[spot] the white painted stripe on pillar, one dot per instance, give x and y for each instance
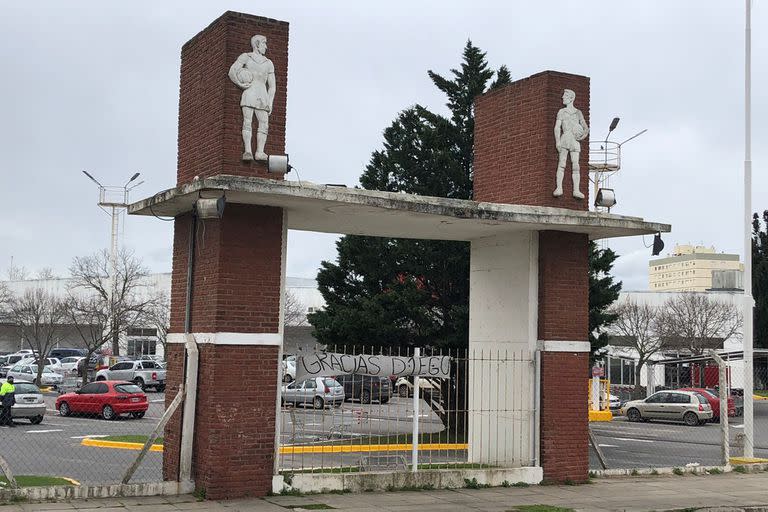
(564, 346)
(230, 338)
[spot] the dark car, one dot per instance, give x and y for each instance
(365, 388)
(61, 353)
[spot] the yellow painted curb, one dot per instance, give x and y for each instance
(759, 397)
(600, 416)
(356, 448)
(298, 449)
(100, 443)
(747, 460)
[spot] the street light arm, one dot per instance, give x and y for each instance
(136, 175)
(93, 179)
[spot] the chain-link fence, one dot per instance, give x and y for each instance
(481, 415)
(67, 434)
(672, 419)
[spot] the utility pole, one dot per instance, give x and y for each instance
(113, 201)
(749, 443)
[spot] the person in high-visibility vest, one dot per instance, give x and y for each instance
(7, 398)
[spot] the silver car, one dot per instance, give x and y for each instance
(318, 391)
(29, 403)
(687, 406)
(28, 372)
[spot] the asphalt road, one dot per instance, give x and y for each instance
(53, 447)
(668, 444)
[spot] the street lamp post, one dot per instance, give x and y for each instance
(113, 201)
(749, 444)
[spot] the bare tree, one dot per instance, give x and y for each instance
(39, 317)
(16, 273)
(5, 297)
(46, 273)
(295, 310)
(158, 316)
(639, 323)
(122, 299)
(697, 321)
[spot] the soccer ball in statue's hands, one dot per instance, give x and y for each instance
(245, 77)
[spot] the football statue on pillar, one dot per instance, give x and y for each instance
(570, 128)
(255, 74)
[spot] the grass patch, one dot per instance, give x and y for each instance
(678, 471)
(130, 439)
(739, 469)
(35, 481)
(540, 508)
(761, 392)
(715, 471)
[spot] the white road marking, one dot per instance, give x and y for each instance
(608, 445)
(43, 431)
(162, 400)
(88, 437)
(737, 426)
(635, 440)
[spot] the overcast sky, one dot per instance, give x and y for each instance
(94, 86)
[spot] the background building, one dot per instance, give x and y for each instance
(690, 269)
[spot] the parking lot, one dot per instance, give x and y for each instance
(668, 444)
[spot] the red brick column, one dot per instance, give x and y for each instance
(515, 155)
(564, 341)
(238, 272)
(210, 119)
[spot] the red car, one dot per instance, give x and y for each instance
(714, 402)
(108, 398)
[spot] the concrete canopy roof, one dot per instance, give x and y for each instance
(330, 209)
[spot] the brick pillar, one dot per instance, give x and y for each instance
(239, 266)
(210, 119)
(515, 154)
(564, 341)
(515, 162)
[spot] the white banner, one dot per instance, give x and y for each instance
(325, 364)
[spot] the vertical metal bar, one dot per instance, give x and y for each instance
(415, 440)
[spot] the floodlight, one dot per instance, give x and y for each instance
(605, 197)
(210, 208)
(658, 245)
(614, 124)
(278, 164)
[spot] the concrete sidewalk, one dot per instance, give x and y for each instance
(632, 493)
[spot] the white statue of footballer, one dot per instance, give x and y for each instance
(255, 74)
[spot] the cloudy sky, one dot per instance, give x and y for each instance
(94, 86)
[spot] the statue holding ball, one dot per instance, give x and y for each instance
(255, 75)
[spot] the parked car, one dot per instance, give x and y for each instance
(28, 373)
(61, 353)
(145, 374)
(29, 402)
(714, 401)
(318, 391)
(12, 360)
(52, 363)
(614, 402)
(69, 364)
(365, 388)
(428, 388)
(107, 398)
(289, 369)
(688, 406)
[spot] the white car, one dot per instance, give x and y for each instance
(404, 388)
(52, 363)
(289, 369)
(28, 373)
(69, 364)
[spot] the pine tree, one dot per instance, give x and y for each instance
(602, 293)
(401, 292)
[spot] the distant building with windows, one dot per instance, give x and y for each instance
(693, 268)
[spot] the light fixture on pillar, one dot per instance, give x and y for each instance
(210, 208)
(658, 245)
(278, 164)
(605, 198)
